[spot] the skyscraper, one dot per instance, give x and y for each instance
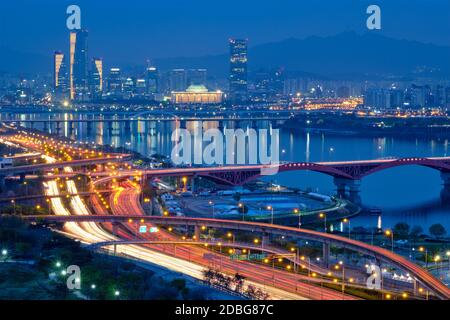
(152, 80)
(60, 75)
(96, 78)
(115, 86)
(178, 80)
(238, 70)
(79, 65)
(196, 77)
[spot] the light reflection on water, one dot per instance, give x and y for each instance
(405, 194)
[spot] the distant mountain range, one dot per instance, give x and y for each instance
(345, 55)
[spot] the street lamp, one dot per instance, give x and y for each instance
(241, 207)
(213, 208)
(297, 211)
(448, 257)
(230, 236)
(184, 179)
(423, 249)
(437, 259)
(390, 233)
(324, 217)
(341, 264)
(347, 221)
(271, 209)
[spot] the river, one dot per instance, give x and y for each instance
(411, 194)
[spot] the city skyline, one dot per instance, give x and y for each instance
(145, 38)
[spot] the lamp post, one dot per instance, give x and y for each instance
(231, 236)
(4, 254)
(324, 217)
(242, 208)
(390, 234)
(337, 267)
(213, 208)
(297, 211)
(271, 209)
(347, 221)
(437, 259)
(448, 258)
(423, 249)
(14, 205)
(303, 258)
(184, 179)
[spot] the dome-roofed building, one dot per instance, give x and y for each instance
(197, 94)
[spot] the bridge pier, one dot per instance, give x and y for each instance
(343, 185)
(445, 176)
(127, 126)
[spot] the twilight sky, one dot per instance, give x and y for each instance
(133, 30)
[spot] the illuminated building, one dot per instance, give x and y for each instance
(60, 75)
(96, 78)
(177, 80)
(78, 64)
(238, 71)
(330, 103)
(197, 94)
(115, 83)
(196, 77)
(152, 80)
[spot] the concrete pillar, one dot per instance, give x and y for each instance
(197, 233)
(445, 176)
(326, 254)
(342, 184)
(354, 186)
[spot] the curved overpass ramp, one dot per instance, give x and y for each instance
(381, 254)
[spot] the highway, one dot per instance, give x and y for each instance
(379, 253)
(126, 200)
(88, 228)
(91, 232)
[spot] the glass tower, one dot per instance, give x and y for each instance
(238, 70)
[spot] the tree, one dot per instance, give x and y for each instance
(416, 231)
(238, 281)
(437, 230)
(208, 275)
(401, 230)
(237, 196)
